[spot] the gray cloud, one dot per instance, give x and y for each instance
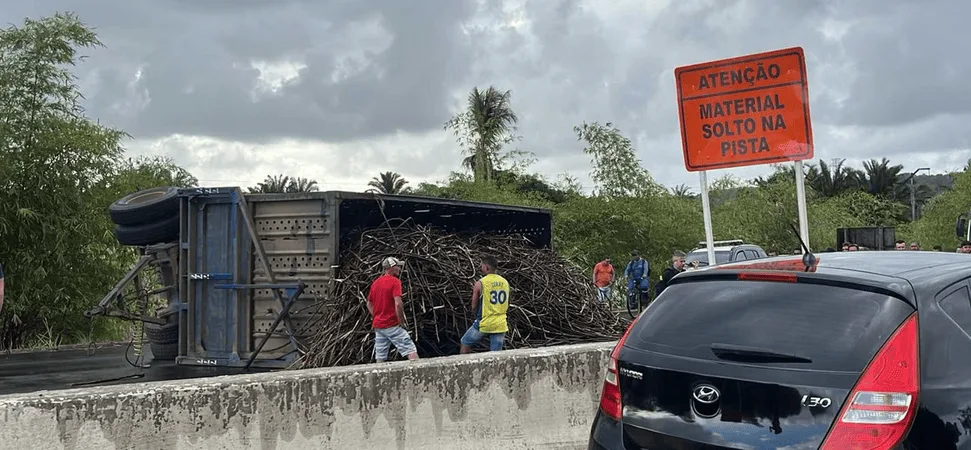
(909, 59)
(884, 77)
(397, 61)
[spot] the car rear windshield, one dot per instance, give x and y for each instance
(837, 328)
(721, 257)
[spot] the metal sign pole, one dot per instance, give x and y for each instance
(801, 203)
(706, 213)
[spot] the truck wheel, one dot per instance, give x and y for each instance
(159, 232)
(164, 340)
(146, 206)
(165, 352)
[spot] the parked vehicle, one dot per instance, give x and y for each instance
(857, 351)
(870, 238)
(221, 270)
(725, 252)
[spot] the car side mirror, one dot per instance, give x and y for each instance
(961, 227)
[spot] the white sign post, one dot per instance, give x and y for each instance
(706, 213)
(801, 204)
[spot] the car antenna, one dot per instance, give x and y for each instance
(809, 260)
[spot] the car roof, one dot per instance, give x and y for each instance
(902, 264)
(727, 247)
(703, 250)
(908, 273)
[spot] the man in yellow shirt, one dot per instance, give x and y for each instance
(490, 301)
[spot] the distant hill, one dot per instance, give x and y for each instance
(933, 184)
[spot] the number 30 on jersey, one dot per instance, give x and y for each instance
(497, 297)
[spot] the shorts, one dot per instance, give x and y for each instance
(473, 336)
(383, 338)
(603, 294)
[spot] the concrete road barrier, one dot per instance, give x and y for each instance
(517, 399)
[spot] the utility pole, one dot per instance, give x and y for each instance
(913, 193)
(913, 201)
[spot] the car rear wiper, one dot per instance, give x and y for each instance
(752, 354)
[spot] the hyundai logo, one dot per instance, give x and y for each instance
(706, 394)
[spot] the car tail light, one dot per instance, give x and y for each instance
(610, 396)
(790, 264)
(768, 276)
(882, 405)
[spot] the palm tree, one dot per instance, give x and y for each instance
(682, 190)
(272, 184)
(881, 178)
(832, 180)
(387, 183)
(484, 127)
(279, 184)
(299, 184)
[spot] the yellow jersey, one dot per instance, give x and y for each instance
(493, 304)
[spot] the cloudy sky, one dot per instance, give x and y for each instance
(338, 90)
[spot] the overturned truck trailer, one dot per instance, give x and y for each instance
(235, 282)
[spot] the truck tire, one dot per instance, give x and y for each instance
(146, 206)
(165, 352)
(159, 232)
(164, 340)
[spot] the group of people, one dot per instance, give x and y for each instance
(637, 273)
(490, 301)
(901, 244)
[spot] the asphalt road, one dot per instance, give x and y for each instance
(95, 366)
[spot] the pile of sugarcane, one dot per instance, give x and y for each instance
(552, 302)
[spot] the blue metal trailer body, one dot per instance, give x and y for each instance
(253, 269)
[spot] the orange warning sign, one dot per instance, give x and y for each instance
(745, 111)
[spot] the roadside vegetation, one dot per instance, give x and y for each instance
(60, 169)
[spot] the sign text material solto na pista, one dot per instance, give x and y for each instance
(745, 111)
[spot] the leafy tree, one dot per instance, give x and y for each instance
(151, 171)
(535, 185)
(937, 224)
(279, 184)
(724, 189)
(487, 124)
(59, 171)
(388, 183)
(616, 169)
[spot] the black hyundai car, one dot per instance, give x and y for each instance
(868, 350)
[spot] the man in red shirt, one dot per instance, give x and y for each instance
(603, 275)
(388, 313)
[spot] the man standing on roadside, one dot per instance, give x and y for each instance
(603, 276)
(676, 267)
(490, 300)
(915, 246)
(388, 313)
(637, 272)
(965, 247)
(900, 245)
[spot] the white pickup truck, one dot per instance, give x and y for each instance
(725, 252)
